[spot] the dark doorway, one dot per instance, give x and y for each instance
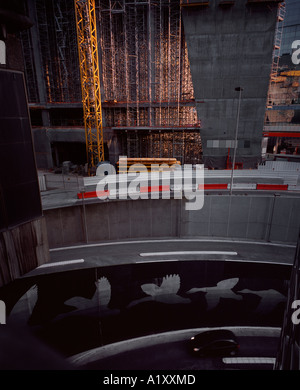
(72, 151)
(68, 151)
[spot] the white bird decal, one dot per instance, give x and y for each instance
(223, 289)
(101, 298)
(269, 299)
(165, 293)
(23, 309)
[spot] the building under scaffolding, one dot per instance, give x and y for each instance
(147, 93)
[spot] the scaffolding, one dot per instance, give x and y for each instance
(276, 55)
(29, 67)
(61, 41)
(145, 62)
(58, 52)
(146, 85)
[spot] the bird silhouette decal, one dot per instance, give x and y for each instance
(166, 292)
(23, 309)
(269, 299)
(223, 289)
(101, 298)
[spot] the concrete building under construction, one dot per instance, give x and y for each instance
(146, 87)
(100, 279)
(168, 71)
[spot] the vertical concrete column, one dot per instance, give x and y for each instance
(42, 142)
(36, 49)
(230, 47)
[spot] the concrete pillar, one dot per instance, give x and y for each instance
(42, 146)
(36, 49)
(230, 47)
(41, 141)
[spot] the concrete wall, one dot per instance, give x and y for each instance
(74, 311)
(255, 217)
(22, 249)
(42, 146)
(230, 47)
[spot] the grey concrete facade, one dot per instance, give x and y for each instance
(230, 47)
(251, 217)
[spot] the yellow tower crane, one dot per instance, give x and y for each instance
(90, 81)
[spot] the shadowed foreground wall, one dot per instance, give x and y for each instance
(76, 310)
(22, 249)
(23, 238)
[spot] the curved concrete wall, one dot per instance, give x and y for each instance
(246, 216)
(74, 311)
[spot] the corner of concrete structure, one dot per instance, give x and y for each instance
(228, 48)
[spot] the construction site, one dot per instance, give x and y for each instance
(105, 267)
(146, 91)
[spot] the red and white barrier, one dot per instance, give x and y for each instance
(209, 186)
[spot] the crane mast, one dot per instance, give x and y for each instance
(90, 81)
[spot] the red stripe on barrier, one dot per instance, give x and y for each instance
(275, 187)
(92, 194)
(211, 186)
(154, 189)
(217, 186)
(102, 193)
(289, 134)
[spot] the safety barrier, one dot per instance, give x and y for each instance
(154, 189)
(209, 186)
(272, 187)
(92, 194)
(212, 186)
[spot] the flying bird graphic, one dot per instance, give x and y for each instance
(23, 309)
(100, 298)
(165, 293)
(223, 289)
(269, 299)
